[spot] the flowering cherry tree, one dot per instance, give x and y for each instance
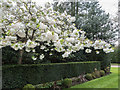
(25, 25)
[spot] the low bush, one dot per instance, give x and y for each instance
(107, 70)
(88, 76)
(102, 72)
(93, 75)
(29, 87)
(67, 82)
(97, 73)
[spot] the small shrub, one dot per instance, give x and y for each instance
(97, 74)
(67, 82)
(29, 87)
(93, 75)
(88, 76)
(59, 83)
(107, 70)
(39, 86)
(45, 85)
(102, 72)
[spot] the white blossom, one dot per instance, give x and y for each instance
(88, 50)
(42, 56)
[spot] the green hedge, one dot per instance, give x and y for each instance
(16, 76)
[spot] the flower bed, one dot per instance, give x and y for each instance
(68, 82)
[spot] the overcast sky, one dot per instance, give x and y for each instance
(110, 6)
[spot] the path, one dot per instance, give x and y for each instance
(115, 65)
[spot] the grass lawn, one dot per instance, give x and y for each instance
(109, 81)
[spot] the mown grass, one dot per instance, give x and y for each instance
(109, 81)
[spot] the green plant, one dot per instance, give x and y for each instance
(16, 76)
(97, 73)
(39, 86)
(107, 70)
(93, 75)
(29, 87)
(102, 72)
(88, 76)
(67, 82)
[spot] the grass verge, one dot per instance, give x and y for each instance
(109, 81)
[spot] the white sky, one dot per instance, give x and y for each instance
(110, 6)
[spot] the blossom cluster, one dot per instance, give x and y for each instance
(26, 25)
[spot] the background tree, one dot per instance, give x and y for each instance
(91, 18)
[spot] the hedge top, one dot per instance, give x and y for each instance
(18, 65)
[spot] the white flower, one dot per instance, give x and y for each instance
(42, 19)
(57, 30)
(50, 20)
(97, 52)
(112, 50)
(55, 37)
(12, 31)
(72, 19)
(34, 10)
(15, 46)
(18, 26)
(51, 36)
(42, 47)
(106, 50)
(50, 54)
(21, 33)
(42, 56)
(33, 50)
(31, 44)
(27, 49)
(88, 50)
(107, 45)
(11, 38)
(34, 58)
(75, 33)
(58, 44)
(70, 39)
(42, 26)
(66, 54)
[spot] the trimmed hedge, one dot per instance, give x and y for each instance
(16, 76)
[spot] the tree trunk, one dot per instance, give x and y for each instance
(20, 57)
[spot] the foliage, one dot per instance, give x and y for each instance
(115, 56)
(67, 82)
(88, 76)
(97, 73)
(29, 87)
(107, 70)
(102, 72)
(10, 56)
(48, 84)
(16, 76)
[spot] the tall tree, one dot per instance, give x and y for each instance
(91, 18)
